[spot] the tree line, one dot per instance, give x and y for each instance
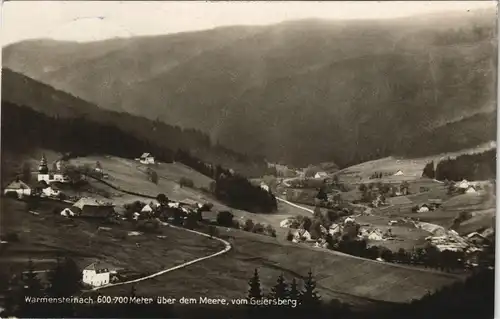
(230, 187)
(479, 166)
(102, 129)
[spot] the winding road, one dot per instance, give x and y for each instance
(225, 250)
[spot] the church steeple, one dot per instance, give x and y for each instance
(42, 168)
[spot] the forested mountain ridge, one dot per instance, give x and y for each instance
(299, 92)
(21, 91)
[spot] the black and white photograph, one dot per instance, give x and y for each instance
(248, 159)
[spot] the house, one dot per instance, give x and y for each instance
(18, 187)
(399, 173)
(335, 230)
(301, 235)
(436, 203)
(471, 190)
(147, 209)
(98, 274)
(423, 208)
(71, 212)
(286, 223)
(374, 234)
(147, 158)
(319, 175)
(464, 184)
(477, 239)
(50, 191)
(264, 186)
(90, 207)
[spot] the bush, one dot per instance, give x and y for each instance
(225, 218)
(184, 181)
(270, 231)
(249, 224)
(258, 228)
(289, 236)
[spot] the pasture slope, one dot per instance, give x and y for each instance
(411, 167)
(357, 281)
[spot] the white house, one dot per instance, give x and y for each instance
(264, 187)
(147, 158)
(70, 212)
(19, 187)
(335, 229)
(320, 175)
(399, 173)
(97, 274)
(375, 235)
(464, 184)
(147, 209)
(50, 192)
(301, 234)
(423, 209)
(471, 190)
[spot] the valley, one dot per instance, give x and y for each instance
(347, 165)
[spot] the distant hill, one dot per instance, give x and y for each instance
(299, 92)
(31, 106)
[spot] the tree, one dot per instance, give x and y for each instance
(26, 172)
(429, 170)
(306, 223)
(162, 199)
(280, 289)
(315, 229)
(362, 188)
(225, 218)
(254, 290)
(249, 224)
(153, 176)
(294, 292)
(309, 296)
(184, 181)
(289, 236)
(270, 231)
(322, 194)
(212, 231)
(32, 287)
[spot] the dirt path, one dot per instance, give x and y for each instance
(295, 205)
(225, 250)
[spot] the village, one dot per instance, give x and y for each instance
(382, 216)
(58, 187)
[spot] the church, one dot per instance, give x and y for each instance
(49, 177)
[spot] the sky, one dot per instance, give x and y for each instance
(90, 21)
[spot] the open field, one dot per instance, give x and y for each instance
(411, 168)
(353, 280)
(43, 235)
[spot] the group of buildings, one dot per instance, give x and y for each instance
(44, 186)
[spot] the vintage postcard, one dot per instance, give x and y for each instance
(227, 159)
